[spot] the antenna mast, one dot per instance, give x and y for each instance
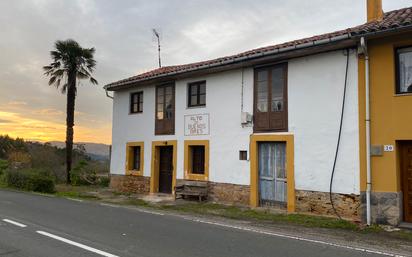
(157, 35)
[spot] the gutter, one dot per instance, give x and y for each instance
(242, 59)
(364, 50)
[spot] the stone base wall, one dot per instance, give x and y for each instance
(386, 207)
(347, 206)
(229, 193)
(130, 184)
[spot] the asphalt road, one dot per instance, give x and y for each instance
(50, 227)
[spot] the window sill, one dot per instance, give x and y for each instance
(198, 177)
(134, 172)
(403, 94)
(195, 107)
(134, 113)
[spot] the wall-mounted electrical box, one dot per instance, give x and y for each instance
(245, 118)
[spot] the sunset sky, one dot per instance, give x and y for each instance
(121, 33)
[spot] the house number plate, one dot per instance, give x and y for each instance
(388, 148)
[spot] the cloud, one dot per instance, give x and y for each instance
(5, 121)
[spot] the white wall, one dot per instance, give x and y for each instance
(315, 87)
(315, 99)
(227, 137)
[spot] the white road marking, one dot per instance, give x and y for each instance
(15, 223)
(110, 205)
(74, 199)
(150, 212)
(295, 237)
(85, 247)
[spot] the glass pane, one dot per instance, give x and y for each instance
(202, 99)
(193, 89)
(277, 89)
(160, 99)
(262, 96)
(140, 107)
(136, 158)
(193, 100)
(160, 91)
(135, 98)
(202, 88)
(135, 109)
(160, 115)
(198, 159)
(280, 155)
(405, 70)
(262, 75)
(169, 90)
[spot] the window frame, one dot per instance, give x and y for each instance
(270, 113)
(130, 158)
(139, 102)
(397, 72)
(198, 94)
(188, 161)
(160, 123)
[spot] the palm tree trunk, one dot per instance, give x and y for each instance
(71, 97)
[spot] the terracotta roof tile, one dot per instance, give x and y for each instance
(392, 20)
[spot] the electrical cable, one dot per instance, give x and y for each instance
(339, 136)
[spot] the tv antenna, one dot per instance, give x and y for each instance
(157, 35)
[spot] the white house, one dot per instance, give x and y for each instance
(274, 126)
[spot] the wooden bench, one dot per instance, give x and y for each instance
(191, 188)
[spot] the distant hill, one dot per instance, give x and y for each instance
(94, 150)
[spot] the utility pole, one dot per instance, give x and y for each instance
(157, 35)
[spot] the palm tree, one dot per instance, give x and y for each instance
(70, 62)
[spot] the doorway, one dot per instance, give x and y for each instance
(165, 169)
(406, 176)
(272, 174)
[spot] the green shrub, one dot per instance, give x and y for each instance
(104, 181)
(30, 180)
(3, 166)
(83, 174)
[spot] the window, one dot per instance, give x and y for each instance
(197, 152)
(136, 102)
(165, 110)
(404, 70)
(243, 155)
(197, 94)
(196, 159)
(134, 158)
(270, 99)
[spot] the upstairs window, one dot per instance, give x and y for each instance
(270, 99)
(136, 102)
(197, 94)
(404, 70)
(165, 109)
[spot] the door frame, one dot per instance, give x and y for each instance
(254, 169)
(154, 178)
(401, 146)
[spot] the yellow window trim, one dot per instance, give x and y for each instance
(129, 159)
(254, 177)
(187, 165)
(154, 180)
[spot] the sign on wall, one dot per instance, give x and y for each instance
(197, 124)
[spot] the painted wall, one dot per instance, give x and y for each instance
(315, 88)
(315, 100)
(391, 118)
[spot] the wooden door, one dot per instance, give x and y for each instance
(272, 173)
(406, 169)
(165, 169)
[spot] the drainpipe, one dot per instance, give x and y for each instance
(364, 50)
(107, 94)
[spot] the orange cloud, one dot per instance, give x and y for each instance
(29, 128)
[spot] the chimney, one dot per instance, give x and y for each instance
(375, 12)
